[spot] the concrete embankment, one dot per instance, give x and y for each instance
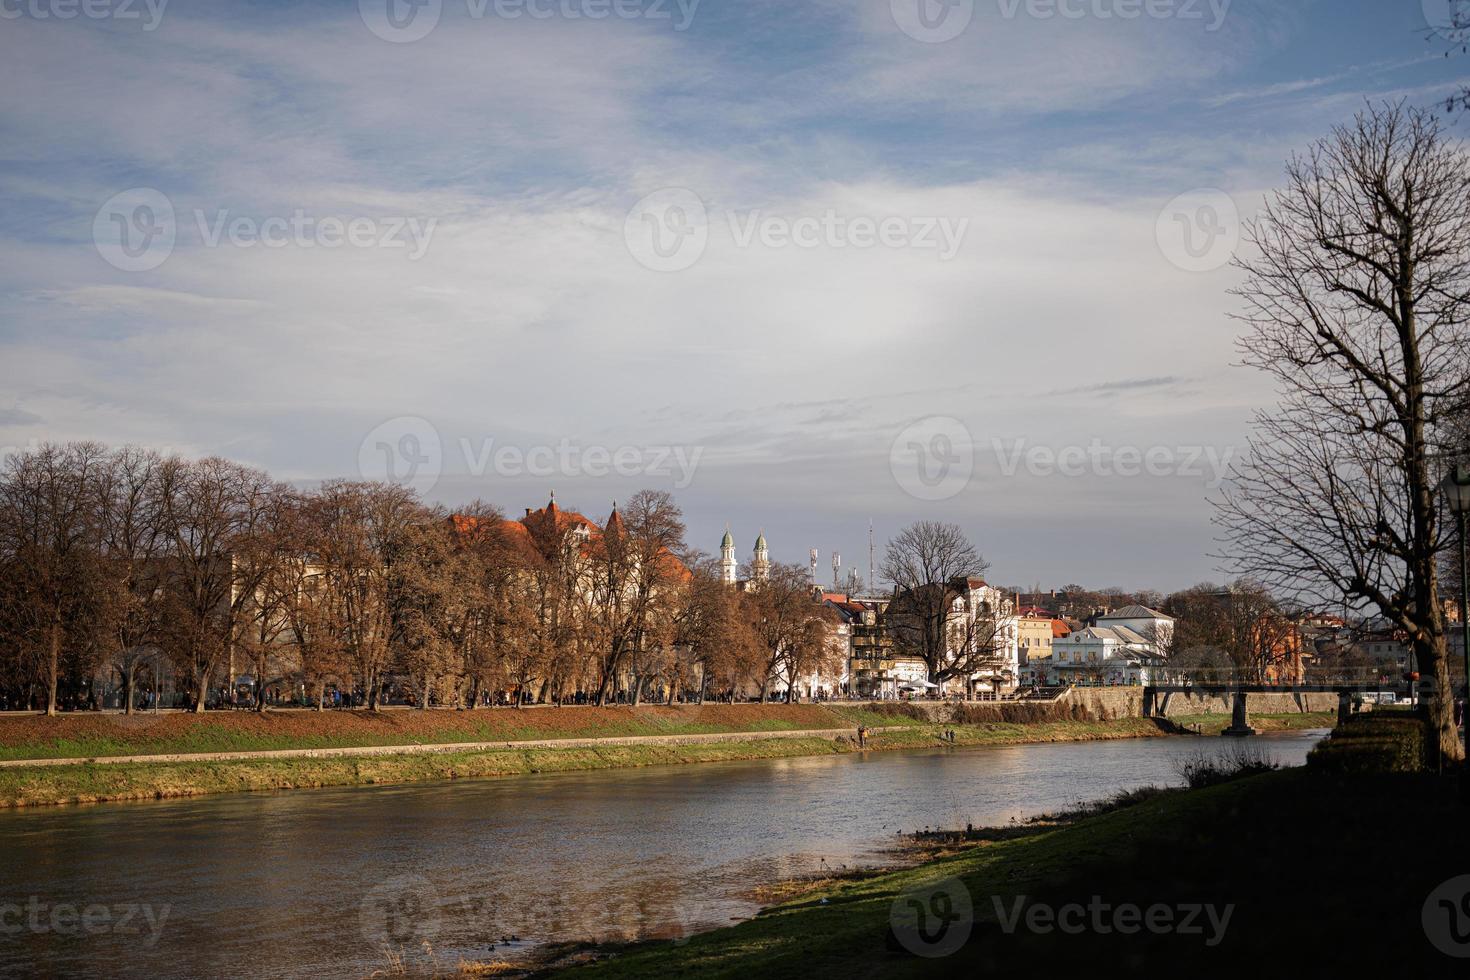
(1107, 703)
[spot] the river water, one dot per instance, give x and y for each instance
(327, 882)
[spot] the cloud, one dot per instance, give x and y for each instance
(17, 416)
(528, 320)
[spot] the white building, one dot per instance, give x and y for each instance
(1103, 656)
(1157, 628)
(984, 625)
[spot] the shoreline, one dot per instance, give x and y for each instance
(864, 923)
(87, 781)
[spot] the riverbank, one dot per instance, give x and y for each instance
(121, 781)
(97, 782)
(1297, 857)
(88, 735)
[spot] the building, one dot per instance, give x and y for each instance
(985, 618)
(760, 561)
(1102, 656)
(1156, 627)
(875, 668)
(1037, 631)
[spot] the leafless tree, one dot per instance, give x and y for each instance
(364, 532)
(929, 566)
(779, 610)
(1356, 301)
(57, 594)
(635, 574)
(135, 548)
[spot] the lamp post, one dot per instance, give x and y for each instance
(1457, 496)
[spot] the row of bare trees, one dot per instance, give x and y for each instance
(122, 564)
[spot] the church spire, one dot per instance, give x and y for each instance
(729, 567)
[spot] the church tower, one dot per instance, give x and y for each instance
(760, 565)
(728, 566)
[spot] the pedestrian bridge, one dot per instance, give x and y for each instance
(1237, 684)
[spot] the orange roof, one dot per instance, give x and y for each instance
(565, 520)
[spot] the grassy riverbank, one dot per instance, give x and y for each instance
(1293, 722)
(1314, 867)
(99, 782)
(91, 735)
(100, 736)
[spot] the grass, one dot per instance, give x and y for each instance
(28, 786)
(1317, 870)
(89, 735)
(1286, 722)
(93, 782)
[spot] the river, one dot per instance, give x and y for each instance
(322, 882)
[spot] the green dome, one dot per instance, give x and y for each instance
(728, 541)
(760, 542)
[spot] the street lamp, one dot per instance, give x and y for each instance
(1457, 496)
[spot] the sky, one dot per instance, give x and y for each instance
(807, 264)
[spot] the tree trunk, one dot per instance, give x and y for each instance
(129, 674)
(53, 665)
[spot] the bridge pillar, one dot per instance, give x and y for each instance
(1148, 702)
(1344, 707)
(1239, 723)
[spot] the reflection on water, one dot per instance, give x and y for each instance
(320, 882)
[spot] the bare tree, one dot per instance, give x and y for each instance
(135, 546)
(1356, 301)
(779, 610)
(219, 517)
(929, 566)
(364, 530)
(635, 575)
(57, 594)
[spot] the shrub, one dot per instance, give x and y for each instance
(898, 709)
(1210, 769)
(1020, 712)
(1380, 741)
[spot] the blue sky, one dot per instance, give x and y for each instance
(522, 316)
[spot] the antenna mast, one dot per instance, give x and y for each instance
(871, 585)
